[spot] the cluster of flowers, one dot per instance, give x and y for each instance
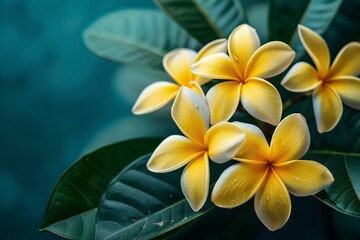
(268, 171)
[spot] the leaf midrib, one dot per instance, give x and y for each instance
(159, 212)
(208, 20)
(339, 153)
(113, 37)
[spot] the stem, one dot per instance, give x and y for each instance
(295, 99)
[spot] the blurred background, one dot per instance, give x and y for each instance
(58, 101)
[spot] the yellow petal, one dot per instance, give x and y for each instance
(195, 182)
(177, 64)
(173, 153)
(197, 88)
(223, 141)
(304, 178)
(348, 88)
(243, 42)
(237, 184)
(302, 77)
(191, 114)
(154, 97)
(223, 99)
(327, 108)
(216, 66)
(255, 146)
(291, 139)
(216, 46)
(316, 47)
(272, 203)
(269, 60)
(261, 100)
(347, 61)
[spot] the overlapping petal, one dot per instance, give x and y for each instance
(328, 108)
(304, 178)
(173, 153)
(223, 99)
(243, 42)
(347, 61)
(177, 64)
(348, 88)
(316, 47)
(255, 146)
(216, 66)
(302, 77)
(223, 141)
(272, 203)
(191, 114)
(269, 60)
(154, 97)
(195, 182)
(291, 139)
(216, 46)
(237, 184)
(197, 88)
(261, 100)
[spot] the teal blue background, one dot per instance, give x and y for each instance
(55, 96)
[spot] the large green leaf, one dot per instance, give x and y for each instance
(318, 16)
(345, 27)
(339, 151)
(137, 37)
(284, 16)
(315, 14)
(206, 20)
(140, 204)
(72, 205)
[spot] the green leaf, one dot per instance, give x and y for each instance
(206, 20)
(315, 14)
(140, 204)
(345, 26)
(78, 192)
(318, 16)
(81, 226)
(339, 151)
(137, 37)
(284, 16)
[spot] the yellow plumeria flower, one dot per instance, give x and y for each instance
(332, 85)
(271, 172)
(177, 64)
(245, 69)
(191, 114)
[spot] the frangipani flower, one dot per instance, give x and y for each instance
(271, 172)
(245, 69)
(191, 114)
(177, 64)
(332, 85)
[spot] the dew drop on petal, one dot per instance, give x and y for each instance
(297, 179)
(196, 106)
(235, 180)
(235, 57)
(267, 197)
